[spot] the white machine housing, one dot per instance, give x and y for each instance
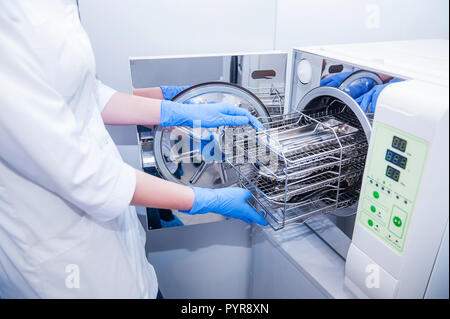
(399, 245)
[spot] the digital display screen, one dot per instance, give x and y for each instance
(393, 173)
(399, 144)
(396, 159)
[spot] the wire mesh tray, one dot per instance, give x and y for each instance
(272, 97)
(315, 167)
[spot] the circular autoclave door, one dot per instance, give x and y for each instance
(181, 169)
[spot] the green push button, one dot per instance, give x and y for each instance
(397, 221)
(373, 209)
(376, 194)
(370, 222)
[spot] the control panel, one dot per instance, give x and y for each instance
(391, 182)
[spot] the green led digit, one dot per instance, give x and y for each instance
(396, 175)
(389, 171)
(403, 145)
(404, 162)
(395, 142)
(388, 156)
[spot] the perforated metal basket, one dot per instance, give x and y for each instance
(304, 164)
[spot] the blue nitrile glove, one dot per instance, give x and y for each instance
(355, 89)
(369, 100)
(335, 80)
(170, 91)
(359, 87)
(228, 202)
(209, 115)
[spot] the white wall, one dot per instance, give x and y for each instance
(306, 22)
(119, 29)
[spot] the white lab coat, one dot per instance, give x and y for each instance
(66, 228)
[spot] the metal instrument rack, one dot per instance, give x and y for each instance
(272, 98)
(302, 165)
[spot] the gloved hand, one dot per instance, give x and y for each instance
(359, 87)
(210, 115)
(169, 92)
(335, 80)
(369, 100)
(355, 89)
(228, 202)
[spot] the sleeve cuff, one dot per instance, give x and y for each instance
(120, 197)
(104, 94)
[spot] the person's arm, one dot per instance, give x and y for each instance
(230, 202)
(151, 93)
(126, 109)
(141, 108)
(155, 192)
(163, 92)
